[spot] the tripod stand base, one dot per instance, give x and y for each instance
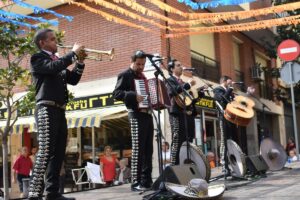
(179, 174)
(161, 193)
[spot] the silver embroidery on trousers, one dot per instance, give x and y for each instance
(135, 149)
(36, 184)
(175, 138)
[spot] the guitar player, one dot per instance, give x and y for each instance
(224, 94)
(177, 116)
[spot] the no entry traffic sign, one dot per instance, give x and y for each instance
(288, 50)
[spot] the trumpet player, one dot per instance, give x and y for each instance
(50, 77)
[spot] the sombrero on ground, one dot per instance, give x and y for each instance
(197, 189)
(273, 153)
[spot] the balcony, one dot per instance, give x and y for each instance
(205, 67)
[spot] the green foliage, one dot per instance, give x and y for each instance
(283, 33)
(14, 47)
(287, 31)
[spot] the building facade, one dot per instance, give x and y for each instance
(96, 120)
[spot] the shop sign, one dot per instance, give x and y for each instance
(105, 100)
(96, 101)
(82, 103)
(206, 102)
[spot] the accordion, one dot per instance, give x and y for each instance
(148, 89)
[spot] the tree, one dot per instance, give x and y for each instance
(283, 33)
(14, 47)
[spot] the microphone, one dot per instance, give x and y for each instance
(188, 69)
(154, 57)
(238, 83)
(157, 58)
(149, 55)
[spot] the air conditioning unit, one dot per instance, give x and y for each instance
(256, 72)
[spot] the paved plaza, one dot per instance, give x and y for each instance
(279, 185)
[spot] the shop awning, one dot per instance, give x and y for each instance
(75, 119)
(93, 118)
(21, 123)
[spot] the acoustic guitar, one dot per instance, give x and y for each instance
(240, 111)
(182, 99)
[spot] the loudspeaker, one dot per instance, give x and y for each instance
(179, 174)
(256, 164)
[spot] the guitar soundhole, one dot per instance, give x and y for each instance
(244, 103)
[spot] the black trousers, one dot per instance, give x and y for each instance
(141, 125)
(180, 134)
(52, 137)
(20, 181)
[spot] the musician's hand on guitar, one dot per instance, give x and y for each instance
(201, 90)
(139, 98)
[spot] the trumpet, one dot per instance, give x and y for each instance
(92, 53)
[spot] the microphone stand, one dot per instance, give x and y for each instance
(162, 186)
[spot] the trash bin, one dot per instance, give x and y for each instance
(25, 187)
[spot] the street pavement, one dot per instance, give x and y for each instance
(278, 185)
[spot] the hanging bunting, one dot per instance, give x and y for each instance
(224, 16)
(145, 11)
(200, 18)
(240, 27)
(7, 20)
(125, 12)
(38, 10)
(213, 3)
(187, 30)
(110, 17)
(15, 16)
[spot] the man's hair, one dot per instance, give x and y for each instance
(138, 54)
(171, 65)
(124, 161)
(41, 35)
(225, 78)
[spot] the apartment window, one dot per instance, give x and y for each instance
(236, 48)
(203, 57)
(264, 87)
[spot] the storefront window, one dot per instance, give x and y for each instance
(115, 133)
(72, 142)
(86, 144)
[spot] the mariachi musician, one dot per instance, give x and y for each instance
(223, 94)
(180, 120)
(141, 122)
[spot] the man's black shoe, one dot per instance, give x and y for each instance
(139, 188)
(35, 198)
(147, 185)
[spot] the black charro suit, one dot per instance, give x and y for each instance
(224, 96)
(50, 77)
(141, 126)
(177, 118)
